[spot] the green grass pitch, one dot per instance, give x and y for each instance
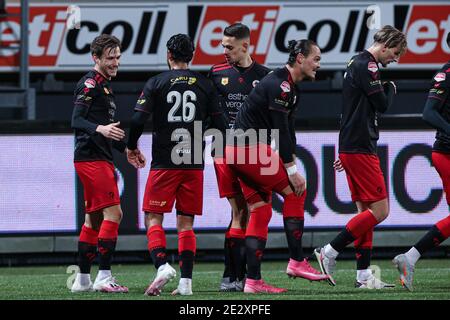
(432, 281)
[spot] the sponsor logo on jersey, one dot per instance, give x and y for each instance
(375, 83)
(281, 102)
(440, 77)
(224, 81)
(83, 97)
(183, 79)
(192, 80)
(436, 91)
(255, 83)
(285, 86)
(372, 67)
(89, 83)
(141, 99)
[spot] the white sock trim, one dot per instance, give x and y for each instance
(185, 282)
(330, 251)
(83, 279)
(413, 255)
(103, 274)
(363, 275)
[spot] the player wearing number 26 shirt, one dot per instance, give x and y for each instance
(179, 102)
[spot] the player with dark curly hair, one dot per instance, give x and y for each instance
(179, 102)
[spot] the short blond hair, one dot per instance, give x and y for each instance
(391, 38)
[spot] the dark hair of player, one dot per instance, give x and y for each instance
(299, 46)
(391, 38)
(102, 42)
(238, 30)
(181, 47)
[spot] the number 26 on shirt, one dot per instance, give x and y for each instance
(184, 100)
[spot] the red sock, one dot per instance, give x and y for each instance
(258, 224)
(109, 230)
(361, 224)
(237, 233)
(87, 248)
(187, 241)
(107, 239)
(294, 206)
(88, 235)
(363, 248)
(365, 241)
(187, 245)
(444, 227)
(156, 237)
(156, 243)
